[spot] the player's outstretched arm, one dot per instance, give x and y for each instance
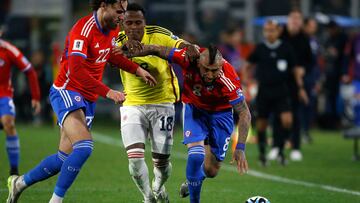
(160, 51)
(239, 157)
(116, 96)
(119, 60)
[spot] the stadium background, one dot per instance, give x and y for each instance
(327, 173)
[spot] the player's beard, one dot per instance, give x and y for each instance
(113, 25)
(207, 81)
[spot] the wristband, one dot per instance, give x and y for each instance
(240, 146)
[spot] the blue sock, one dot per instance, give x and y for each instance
(48, 167)
(71, 167)
(13, 150)
(194, 171)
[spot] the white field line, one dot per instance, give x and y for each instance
(117, 142)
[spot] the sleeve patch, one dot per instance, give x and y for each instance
(78, 45)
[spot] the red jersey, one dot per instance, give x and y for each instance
(89, 40)
(9, 56)
(224, 92)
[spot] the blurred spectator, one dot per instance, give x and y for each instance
(334, 59)
(229, 47)
(310, 79)
(190, 37)
(211, 21)
(39, 63)
(351, 81)
(293, 34)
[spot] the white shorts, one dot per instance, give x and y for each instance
(151, 121)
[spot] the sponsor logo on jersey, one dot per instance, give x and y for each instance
(2, 62)
(97, 45)
(78, 45)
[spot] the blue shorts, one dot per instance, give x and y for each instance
(65, 101)
(7, 106)
(214, 127)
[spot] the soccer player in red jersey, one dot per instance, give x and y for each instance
(74, 93)
(211, 92)
(9, 56)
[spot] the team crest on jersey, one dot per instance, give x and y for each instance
(239, 93)
(2, 62)
(187, 133)
(78, 45)
(77, 98)
(113, 42)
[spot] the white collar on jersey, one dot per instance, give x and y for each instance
(274, 45)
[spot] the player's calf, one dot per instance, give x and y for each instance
(71, 168)
(194, 172)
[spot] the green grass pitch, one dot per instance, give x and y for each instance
(326, 175)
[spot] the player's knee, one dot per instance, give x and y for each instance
(211, 172)
(161, 163)
(9, 125)
(163, 167)
(136, 160)
(161, 160)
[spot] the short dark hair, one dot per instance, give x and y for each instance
(95, 4)
(295, 10)
(135, 7)
(213, 51)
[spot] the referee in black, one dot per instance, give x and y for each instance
(274, 61)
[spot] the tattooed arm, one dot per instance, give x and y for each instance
(160, 51)
(243, 111)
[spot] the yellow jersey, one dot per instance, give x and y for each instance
(167, 89)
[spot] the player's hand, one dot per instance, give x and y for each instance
(239, 159)
(116, 96)
(35, 104)
(132, 48)
(303, 96)
(117, 51)
(149, 79)
(192, 52)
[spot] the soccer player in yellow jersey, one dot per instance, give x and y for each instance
(148, 112)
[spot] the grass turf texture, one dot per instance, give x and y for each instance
(105, 177)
